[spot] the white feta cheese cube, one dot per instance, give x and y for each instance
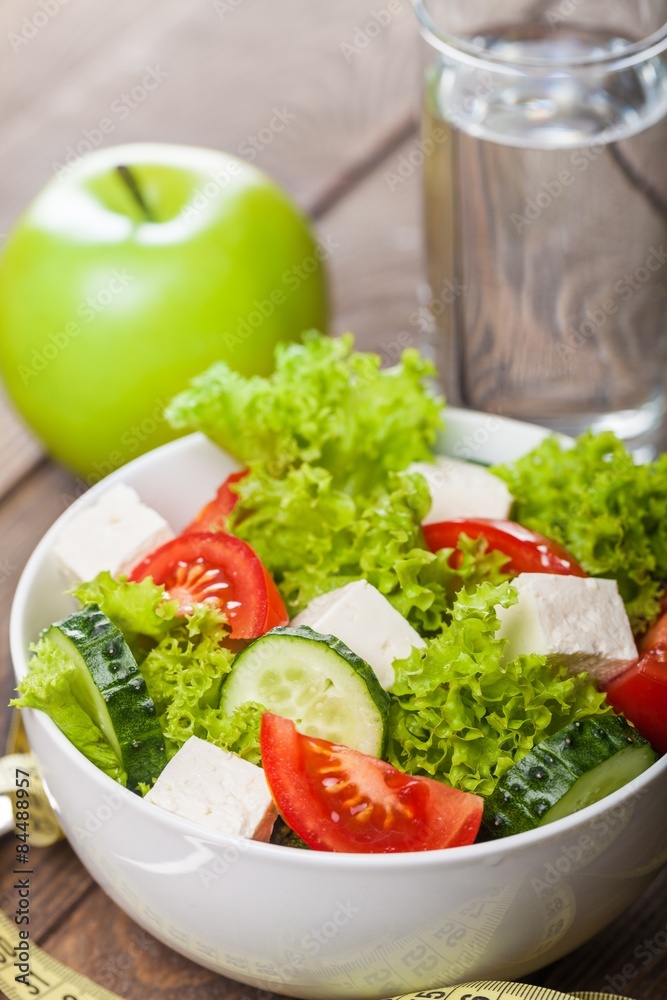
(579, 621)
(217, 789)
(361, 617)
(113, 534)
(462, 489)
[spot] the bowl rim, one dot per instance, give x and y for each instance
(485, 852)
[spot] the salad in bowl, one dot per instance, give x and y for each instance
(359, 645)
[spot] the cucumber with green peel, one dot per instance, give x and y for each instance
(584, 762)
(109, 686)
(316, 681)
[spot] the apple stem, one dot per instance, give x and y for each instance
(131, 181)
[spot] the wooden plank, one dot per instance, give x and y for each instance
(58, 884)
(376, 265)
(343, 89)
(100, 941)
(19, 451)
(60, 880)
(221, 78)
(24, 517)
(627, 958)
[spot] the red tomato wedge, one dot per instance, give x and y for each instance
(527, 551)
(338, 799)
(217, 568)
(656, 635)
(214, 516)
(640, 694)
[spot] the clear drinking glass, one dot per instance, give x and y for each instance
(545, 142)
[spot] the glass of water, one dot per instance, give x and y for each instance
(545, 142)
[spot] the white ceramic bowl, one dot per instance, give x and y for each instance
(324, 925)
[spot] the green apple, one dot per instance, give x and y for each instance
(132, 271)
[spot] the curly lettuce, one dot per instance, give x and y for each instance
(140, 610)
(238, 732)
(184, 674)
(313, 538)
(461, 715)
(327, 439)
(326, 405)
(605, 508)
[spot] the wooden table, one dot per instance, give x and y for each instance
(226, 65)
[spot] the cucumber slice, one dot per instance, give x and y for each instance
(109, 687)
(327, 690)
(575, 767)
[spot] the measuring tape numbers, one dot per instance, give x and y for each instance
(488, 990)
(45, 977)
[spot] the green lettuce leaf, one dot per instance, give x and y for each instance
(606, 509)
(327, 500)
(238, 732)
(325, 405)
(313, 537)
(460, 715)
(184, 674)
(50, 686)
(140, 610)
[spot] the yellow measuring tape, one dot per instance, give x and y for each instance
(489, 990)
(26, 971)
(44, 827)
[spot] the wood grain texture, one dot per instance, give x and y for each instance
(18, 449)
(298, 88)
(224, 75)
(376, 266)
(58, 884)
(100, 941)
(25, 514)
(628, 957)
